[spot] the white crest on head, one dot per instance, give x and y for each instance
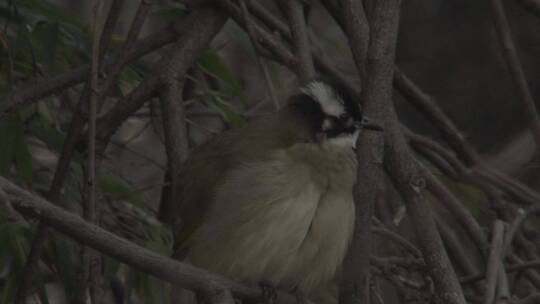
(325, 95)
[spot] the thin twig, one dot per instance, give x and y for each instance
(511, 57)
(458, 142)
(195, 32)
(133, 33)
(62, 167)
(494, 262)
(516, 226)
(176, 141)
(140, 155)
(398, 239)
(90, 266)
(300, 42)
(40, 88)
(262, 66)
(513, 268)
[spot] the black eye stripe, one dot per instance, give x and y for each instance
(334, 126)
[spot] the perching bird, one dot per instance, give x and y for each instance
(271, 202)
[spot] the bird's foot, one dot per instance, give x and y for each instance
(269, 293)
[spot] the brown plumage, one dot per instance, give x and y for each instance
(271, 202)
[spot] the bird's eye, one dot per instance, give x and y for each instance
(327, 124)
(344, 117)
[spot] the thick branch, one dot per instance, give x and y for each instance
(126, 252)
(357, 29)
(355, 283)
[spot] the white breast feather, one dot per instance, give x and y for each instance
(286, 222)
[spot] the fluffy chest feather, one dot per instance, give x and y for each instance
(286, 221)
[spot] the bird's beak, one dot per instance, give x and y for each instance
(369, 124)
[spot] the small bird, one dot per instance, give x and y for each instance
(271, 202)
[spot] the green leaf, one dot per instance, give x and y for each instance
(169, 14)
(51, 12)
(8, 292)
(119, 190)
(23, 159)
(471, 196)
(225, 109)
(47, 38)
(10, 127)
(111, 267)
(41, 290)
(63, 255)
(213, 64)
(159, 240)
(47, 133)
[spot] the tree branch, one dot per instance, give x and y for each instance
(196, 31)
(300, 42)
(39, 89)
(126, 252)
(90, 266)
(516, 70)
(355, 281)
(494, 262)
(258, 53)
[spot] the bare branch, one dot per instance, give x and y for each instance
(196, 31)
(398, 239)
(355, 25)
(516, 226)
(110, 16)
(516, 70)
(133, 33)
(459, 211)
(266, 39)
(129, 253)
(300, 42)
(424, 104)
(494, 262)
(355, 282)
(90, 267)
(39, 89)
(258, 53)
(457, 140)
(175, 131)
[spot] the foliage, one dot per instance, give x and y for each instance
(38, 40)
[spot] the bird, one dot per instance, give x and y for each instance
(271, 202)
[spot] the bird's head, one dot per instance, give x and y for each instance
(333, 112)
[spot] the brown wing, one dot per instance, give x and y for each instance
(204, 171)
